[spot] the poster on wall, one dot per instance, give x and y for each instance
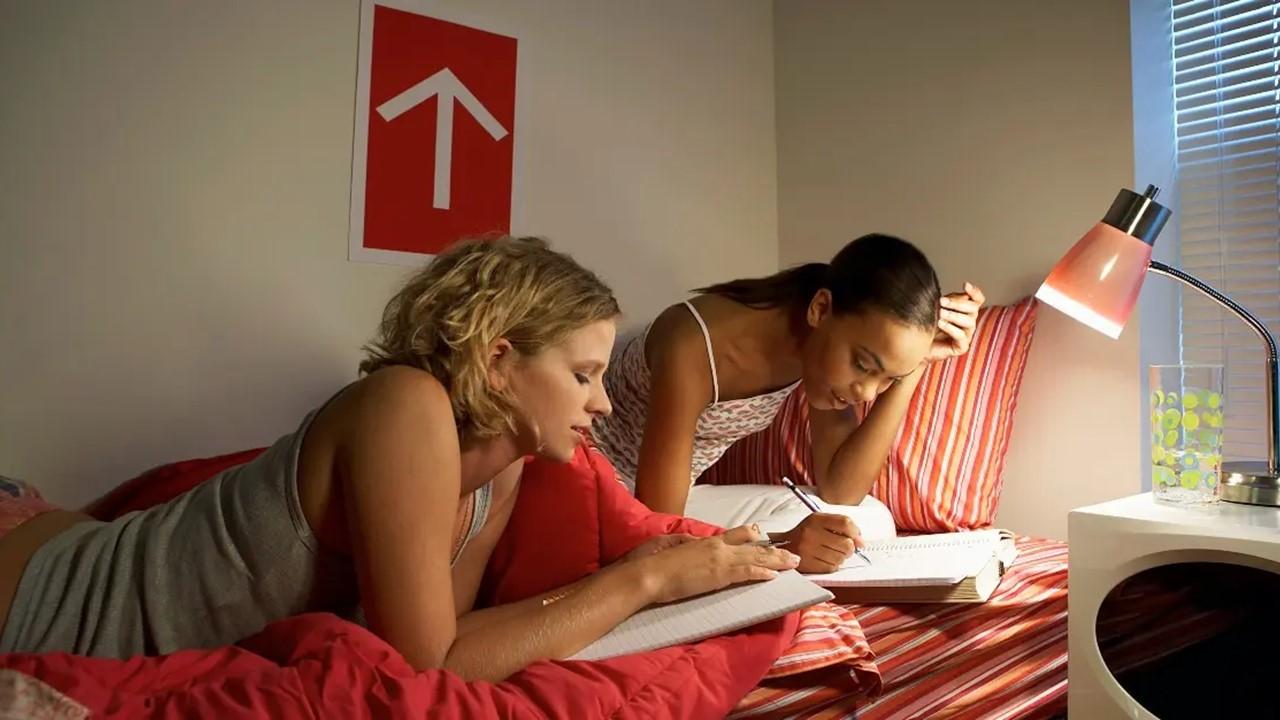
(435, 132)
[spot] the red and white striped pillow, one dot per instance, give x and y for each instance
(944, 472)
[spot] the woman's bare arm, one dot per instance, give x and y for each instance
(848, 455)
(679, 390)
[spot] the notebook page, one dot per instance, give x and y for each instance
(706, 615)
(939, 559)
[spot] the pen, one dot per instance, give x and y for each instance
(767, 543)
(813, 507)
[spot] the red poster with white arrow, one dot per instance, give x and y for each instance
(435, 135)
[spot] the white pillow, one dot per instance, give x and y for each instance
(776, 509)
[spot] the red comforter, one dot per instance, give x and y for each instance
(569, 520)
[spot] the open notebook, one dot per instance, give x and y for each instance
(707, 615)
(943, 567)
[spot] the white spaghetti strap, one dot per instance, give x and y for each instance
(480, 511)
(711, 356)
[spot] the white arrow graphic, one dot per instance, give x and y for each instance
(449, 88)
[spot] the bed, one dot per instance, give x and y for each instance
(1005, 658)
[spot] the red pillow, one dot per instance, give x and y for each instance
(163, 483)
(579, 513)
(946, 469)
(944, 472)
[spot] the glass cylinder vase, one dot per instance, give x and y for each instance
(1187, 404)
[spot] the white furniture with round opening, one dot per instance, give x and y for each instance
(1116, 540)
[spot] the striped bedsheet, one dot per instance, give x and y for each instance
(1003, 659)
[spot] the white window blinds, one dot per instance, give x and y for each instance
(1226, 66)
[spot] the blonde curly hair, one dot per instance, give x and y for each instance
(446, 317)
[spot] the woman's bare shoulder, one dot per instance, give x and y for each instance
(676, 337)
(401, 382)
(390, 403)
(399, 391)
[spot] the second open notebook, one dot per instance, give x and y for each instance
(943, 567)
(706, 615)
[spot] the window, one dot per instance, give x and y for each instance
(1226, 80)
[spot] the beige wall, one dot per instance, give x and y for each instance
(992, 134)
(173, 198)
(174, 191)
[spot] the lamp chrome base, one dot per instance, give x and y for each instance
(1250, 482)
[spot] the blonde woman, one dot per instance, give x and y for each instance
(391, 495)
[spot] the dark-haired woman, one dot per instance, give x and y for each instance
(710, 371)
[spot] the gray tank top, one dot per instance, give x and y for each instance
(207, 569)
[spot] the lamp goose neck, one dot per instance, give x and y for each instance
(1272, 369)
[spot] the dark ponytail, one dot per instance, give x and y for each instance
(792, 287)
(875, 271)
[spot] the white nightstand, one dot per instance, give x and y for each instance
(1115, 540)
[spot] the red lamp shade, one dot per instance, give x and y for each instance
(1098, 280)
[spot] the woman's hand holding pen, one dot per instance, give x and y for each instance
(823, 541)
